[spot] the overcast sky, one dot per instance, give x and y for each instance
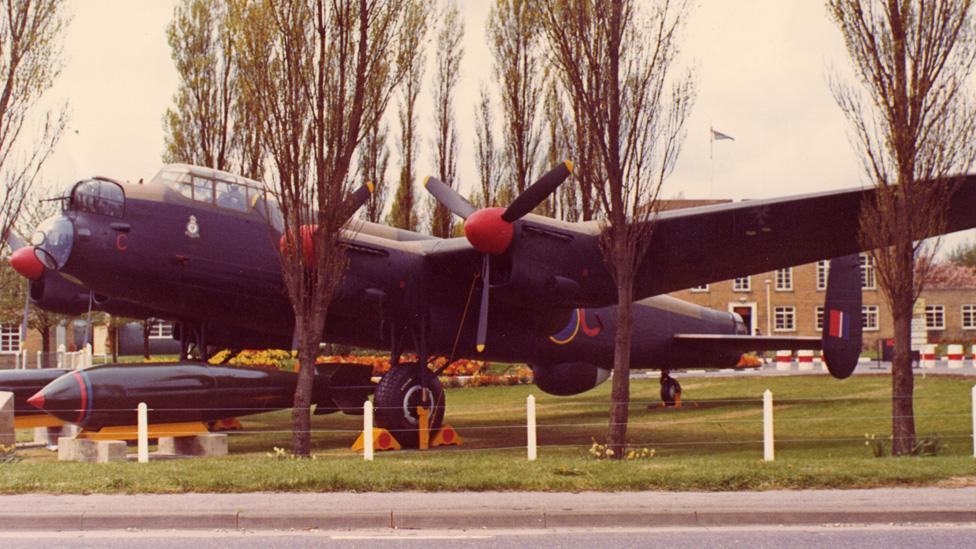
(761, 69)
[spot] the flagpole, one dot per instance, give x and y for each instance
(711, 159)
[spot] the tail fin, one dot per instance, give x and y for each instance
(842, 316)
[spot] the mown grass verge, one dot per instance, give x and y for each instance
(712, 443)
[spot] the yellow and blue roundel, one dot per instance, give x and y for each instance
(577, 323)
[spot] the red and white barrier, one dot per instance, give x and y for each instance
(955, 356)
(804, 359)
(928, 356)
(784, 360)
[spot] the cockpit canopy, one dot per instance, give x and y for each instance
(220, 189)
(98, 196)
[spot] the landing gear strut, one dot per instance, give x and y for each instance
(670, 389)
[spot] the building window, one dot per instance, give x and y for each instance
(934, 317)
(822, 268)
(700, 289)
(869, 317)
(818, 317)
(784, 279)
(161, 330)
(784, 319)
(742, 284)
(969, 317)
(9, 337)
(868, 281)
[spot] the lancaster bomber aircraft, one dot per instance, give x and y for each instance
(199, 246)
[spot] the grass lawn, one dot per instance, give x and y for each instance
(714, 442)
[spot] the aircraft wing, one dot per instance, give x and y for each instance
(697, 246)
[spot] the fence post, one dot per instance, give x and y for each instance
(530, 426)
(142, 418)
(24, 352)
(974, 421)
(87, 361)
(39, 359)
(768, 425)
(61, 356)
(368, 430)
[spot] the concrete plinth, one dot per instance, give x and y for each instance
(90, 451)
(110, 450)
(77, 449)
(49, 436)
(207, 445)
(7, 436)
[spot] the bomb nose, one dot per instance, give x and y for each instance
(25, 262)
(37, 400)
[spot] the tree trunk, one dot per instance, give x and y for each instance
(145, 338)
(301, 418)
(45, 348)
(902, 377)
(115, 342)
(620, 393)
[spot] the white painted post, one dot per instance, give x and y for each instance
(530, 426)
(39, 359)
(88, 355)
(61, 356)
(24, 352)
(142, 418)
(768, 425)
(974, 421)
(368, 430)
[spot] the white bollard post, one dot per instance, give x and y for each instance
(974, 421)
(39, 359)
(61, 356)
(142, 418)
(88, 355)
(24, 352)
(768, 425)
(368, 430)
(530, 426)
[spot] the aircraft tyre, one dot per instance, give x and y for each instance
(396, 400)
(670, 389)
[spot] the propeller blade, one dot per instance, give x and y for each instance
(538, 191)
(483, 312)
(359, 197)
(23, 325)
(449, 197)
(14, 241)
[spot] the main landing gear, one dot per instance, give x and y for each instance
(670, 390)
(398, 395)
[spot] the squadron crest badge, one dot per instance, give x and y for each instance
(192, 228)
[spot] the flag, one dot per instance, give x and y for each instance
(839, 324)
(718, 136)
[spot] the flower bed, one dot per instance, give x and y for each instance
(460, 373)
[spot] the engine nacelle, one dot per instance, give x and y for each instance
(53, 293)
(568, 378)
